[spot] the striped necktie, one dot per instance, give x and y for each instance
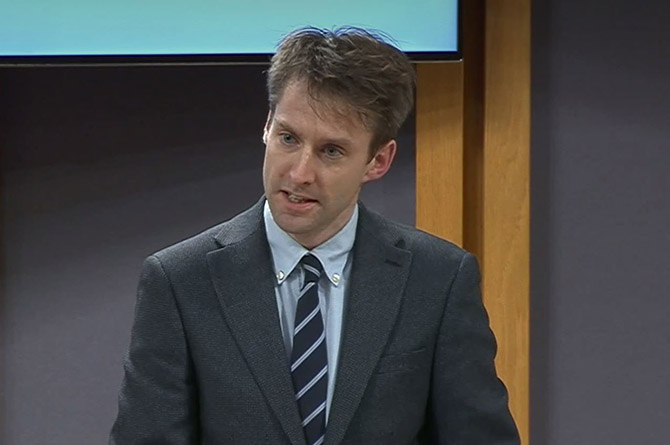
(309, 360)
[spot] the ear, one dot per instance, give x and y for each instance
(266, 129)
(380, 162)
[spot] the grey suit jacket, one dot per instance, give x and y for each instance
(206, 363)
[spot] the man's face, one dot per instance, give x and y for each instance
(316, 161)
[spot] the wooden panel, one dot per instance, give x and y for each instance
(485, 107)
(473, 130)
(439, 150)
(506, 211)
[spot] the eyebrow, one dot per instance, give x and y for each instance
(342, 142)
(283, 125)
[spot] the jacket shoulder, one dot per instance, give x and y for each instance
(421, 244)
(230, 231)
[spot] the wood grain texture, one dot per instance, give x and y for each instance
(473, 168)
(473, 131)
(506, 205)
(439, 150)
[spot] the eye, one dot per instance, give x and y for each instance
(332, 152)
(287, 138)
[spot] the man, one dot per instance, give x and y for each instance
(308, 318)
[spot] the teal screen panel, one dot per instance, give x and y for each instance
(172, 27)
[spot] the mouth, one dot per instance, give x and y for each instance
(297, 199)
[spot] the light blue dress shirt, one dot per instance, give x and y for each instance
(335, 256)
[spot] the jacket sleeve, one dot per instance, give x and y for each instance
(469, 404)
(157, 402)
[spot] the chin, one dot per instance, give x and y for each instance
(289, 224)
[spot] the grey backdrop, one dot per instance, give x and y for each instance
(87, 190)
(600, 221)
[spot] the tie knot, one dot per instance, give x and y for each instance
(312, 267)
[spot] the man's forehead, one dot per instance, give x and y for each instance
(326, 106)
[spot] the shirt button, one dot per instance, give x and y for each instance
(336, 278)
(280, 275)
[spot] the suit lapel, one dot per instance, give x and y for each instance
(242, 275)
(379, 273)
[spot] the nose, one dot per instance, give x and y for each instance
(303, 169)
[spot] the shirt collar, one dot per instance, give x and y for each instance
(287, 252)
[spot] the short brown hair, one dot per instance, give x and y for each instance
(355, 66)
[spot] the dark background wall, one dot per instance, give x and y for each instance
(600, 311)
(101, 167)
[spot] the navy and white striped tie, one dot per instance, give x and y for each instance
(309, 359)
